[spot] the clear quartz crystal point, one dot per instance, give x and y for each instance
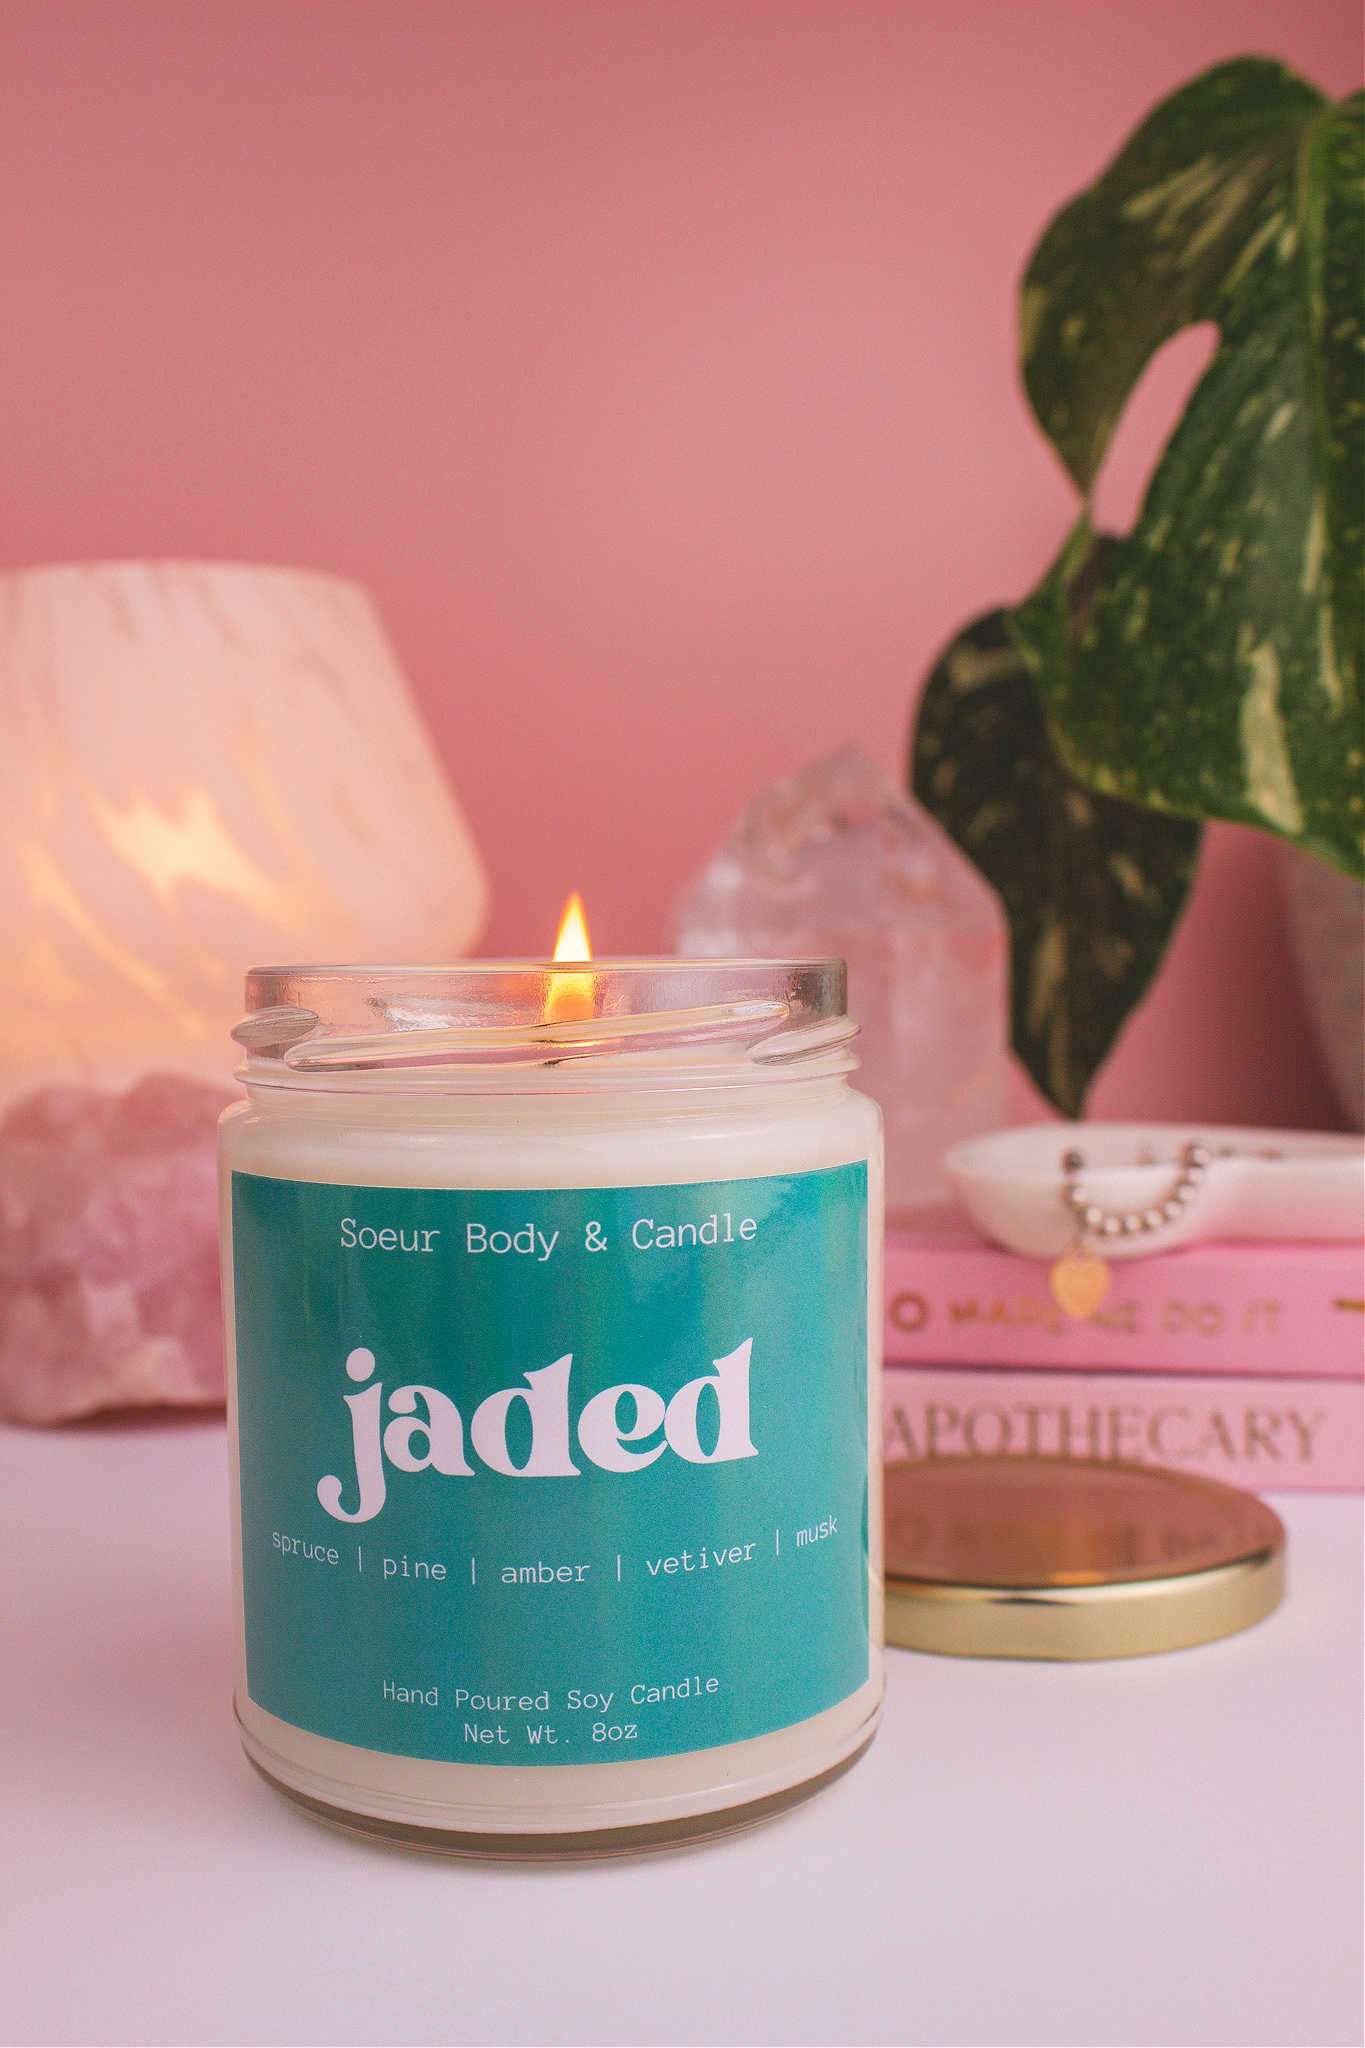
(838, 860)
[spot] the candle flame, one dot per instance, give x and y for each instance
(571, 995)
(573, 942)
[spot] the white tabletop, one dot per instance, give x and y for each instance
(1166, 1850)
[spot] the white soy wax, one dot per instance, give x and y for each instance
(556, 1446)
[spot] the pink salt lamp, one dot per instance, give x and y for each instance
(205, 766)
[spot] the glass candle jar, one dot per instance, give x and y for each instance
(552, 1318)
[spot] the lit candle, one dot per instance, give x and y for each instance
(571, 995)
(552, 1305)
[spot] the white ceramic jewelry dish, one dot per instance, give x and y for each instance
(1258, 1184)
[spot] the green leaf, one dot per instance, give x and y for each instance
(1218, 673)
(1092, 887)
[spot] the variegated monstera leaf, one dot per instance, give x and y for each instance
(1092, 886)
(1216, 672)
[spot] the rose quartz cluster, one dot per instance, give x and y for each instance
(109, 1292)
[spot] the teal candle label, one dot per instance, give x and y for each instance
(559, 1476)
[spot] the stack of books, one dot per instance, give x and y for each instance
(1245, 1362)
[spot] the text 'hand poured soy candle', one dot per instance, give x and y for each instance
(551, 1312)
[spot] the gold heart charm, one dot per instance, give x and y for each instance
(1079, 1282)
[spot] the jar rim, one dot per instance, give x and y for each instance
(434, 1020)
(638, 964)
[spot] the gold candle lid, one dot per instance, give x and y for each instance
(1069, 1558)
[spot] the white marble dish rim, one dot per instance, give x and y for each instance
(1261, 1184)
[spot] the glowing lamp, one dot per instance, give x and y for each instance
(204, 766)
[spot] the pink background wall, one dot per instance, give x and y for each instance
(653, 364)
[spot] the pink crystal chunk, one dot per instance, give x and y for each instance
(839, 860)
(109, 1290)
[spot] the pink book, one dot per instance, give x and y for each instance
(1298, 1435)
(1282, 1309)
